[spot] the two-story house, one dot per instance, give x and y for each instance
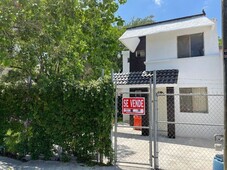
(186, 51)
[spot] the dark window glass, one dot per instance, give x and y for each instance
(183, 46)
(197, 45)
(190, 45)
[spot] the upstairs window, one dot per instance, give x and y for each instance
(190, 45)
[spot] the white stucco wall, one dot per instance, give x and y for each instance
(204, 71)
(125, 57)
(124, 92)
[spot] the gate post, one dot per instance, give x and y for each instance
(115, 128)
(150, 122)
(155, 122)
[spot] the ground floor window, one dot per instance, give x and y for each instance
(195, 101)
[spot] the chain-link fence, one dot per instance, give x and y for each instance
(187, 125)
(132, 141)
(179, 134)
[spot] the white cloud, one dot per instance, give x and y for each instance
(206, 5)
(158, 2)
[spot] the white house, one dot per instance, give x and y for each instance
(190, 46)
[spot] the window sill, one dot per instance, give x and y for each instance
(191, 57)
(195, 112)
(179, 59)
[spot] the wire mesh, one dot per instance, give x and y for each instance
(187, 124)
(132, 132)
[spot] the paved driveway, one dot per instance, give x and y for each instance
(133, 153)
(174, 154)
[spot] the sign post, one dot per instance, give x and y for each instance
(133, 105)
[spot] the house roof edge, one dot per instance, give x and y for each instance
(170, 20)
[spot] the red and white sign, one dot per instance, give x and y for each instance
(133, 105)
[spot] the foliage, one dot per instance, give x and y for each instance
(52, 51)
(75, 116)
(75, 39)
(220, 42)
(140, 21)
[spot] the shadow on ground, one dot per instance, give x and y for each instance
(196, 142)
(11, 164)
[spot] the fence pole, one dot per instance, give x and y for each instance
(115, 129)
(150, 122)
(224, 40)
(155, 122)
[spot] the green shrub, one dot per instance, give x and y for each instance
(75, 116)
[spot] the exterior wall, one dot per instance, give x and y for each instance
(125, 57)
(163, 46)
(204, 71)
(215, 116)
(124, 93)
(162, 110)
(137, 61)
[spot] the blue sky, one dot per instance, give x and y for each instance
(169, 9)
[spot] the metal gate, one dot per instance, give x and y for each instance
(135, 137)
(132, 139)
(178, 130)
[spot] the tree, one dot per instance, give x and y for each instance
(140, 21)
(70, 38)
(220, 41)
(57, 46)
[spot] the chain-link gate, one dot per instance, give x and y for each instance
(135, 136)
(188, 128)
(132, 140)
(178, 131)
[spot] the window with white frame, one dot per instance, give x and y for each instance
(194, 100)
(190, 45)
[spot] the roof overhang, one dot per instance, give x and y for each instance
(164, 78)
(131, 43)
(145, 86)
(131, 36)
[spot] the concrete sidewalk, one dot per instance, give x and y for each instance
(11, 164)
(7, 163)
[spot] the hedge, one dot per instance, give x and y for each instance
(75, 116)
